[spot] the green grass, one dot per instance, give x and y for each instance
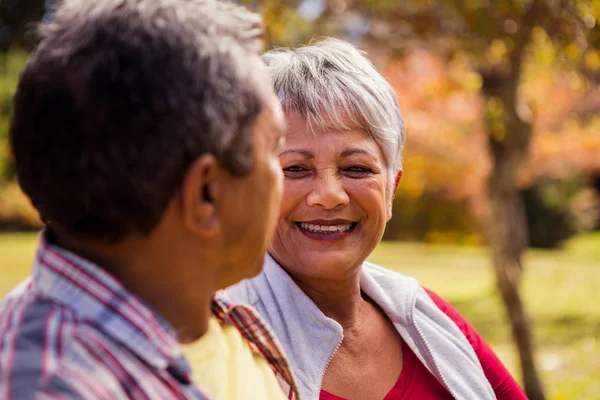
(561, 290)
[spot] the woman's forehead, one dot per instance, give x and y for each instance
(343, 143)
(324, 121)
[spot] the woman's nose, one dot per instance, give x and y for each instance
(328, 191)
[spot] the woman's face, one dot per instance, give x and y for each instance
(335, 203)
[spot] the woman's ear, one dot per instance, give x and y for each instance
(393, 194)
(397, 181)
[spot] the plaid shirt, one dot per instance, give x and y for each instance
(73, 331)
(260, 338)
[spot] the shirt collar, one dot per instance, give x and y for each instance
(101, 300)
(259, 337)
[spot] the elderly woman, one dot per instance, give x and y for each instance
(352, 329)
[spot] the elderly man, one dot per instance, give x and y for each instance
(146, 133)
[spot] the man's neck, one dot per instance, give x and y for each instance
(176, 293)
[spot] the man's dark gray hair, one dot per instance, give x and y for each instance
(121, 96)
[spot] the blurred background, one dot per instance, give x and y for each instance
(499, 206)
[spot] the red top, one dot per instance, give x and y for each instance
(416, 382)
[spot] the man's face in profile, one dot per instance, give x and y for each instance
(254, 200)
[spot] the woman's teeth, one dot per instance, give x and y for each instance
(325, 228)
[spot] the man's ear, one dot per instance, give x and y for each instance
(393, 194)
(198, 209)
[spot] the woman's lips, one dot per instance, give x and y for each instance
(326, 230)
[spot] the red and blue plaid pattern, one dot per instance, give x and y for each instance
(260, 338)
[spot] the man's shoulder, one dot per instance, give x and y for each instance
(26, 314)
(65, 380)
(23, 321)
(39, 341)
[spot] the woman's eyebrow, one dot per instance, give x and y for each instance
(351, 151)
(305, 153)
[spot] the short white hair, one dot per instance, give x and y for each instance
(334, 86)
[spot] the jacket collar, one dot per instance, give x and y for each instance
(310, 338)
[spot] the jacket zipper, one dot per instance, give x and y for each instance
(444, 381)
(329, 362)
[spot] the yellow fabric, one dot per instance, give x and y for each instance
(224, 365)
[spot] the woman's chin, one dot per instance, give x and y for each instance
(321, 264)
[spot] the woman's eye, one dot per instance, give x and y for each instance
(295, 171)
(357, 170)
(294, 168)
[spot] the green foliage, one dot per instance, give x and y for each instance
(550, 216)
(432, 218)
(11, 65)
(278, 19)
(16, 211)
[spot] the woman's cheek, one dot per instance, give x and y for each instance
(292, 196)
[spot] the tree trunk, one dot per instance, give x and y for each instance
(509, 138)
(507, 224)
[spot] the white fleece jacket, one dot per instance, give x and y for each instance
(310, 339)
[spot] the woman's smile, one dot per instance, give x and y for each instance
(327, 230)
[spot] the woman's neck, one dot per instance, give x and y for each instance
(339, 299)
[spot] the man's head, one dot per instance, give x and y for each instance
(153, 119)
